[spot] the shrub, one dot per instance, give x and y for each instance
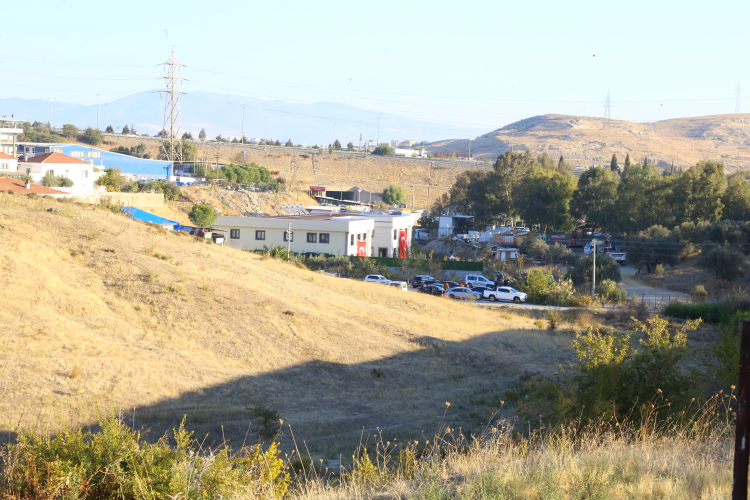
(659, 269)
(118, 462)
(93, 136)
(699, 294)
(269, 420)
(610, 292)
(202, 215)
(533, 247)
(710, 312)
(727, 350)
(560, 254)
(541, 288)
(394, 195)
(384, 150)
(512, 395)
(63, 181)
(724, 262)
(606, 269)
(553, 320)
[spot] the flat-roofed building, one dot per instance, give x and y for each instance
(392, 233)
(312, 233)
(10, 129)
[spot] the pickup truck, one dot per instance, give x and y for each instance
(505, 293)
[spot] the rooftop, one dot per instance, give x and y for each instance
(19, 187)
(3, 156)
(55, 158)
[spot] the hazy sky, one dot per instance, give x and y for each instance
(474, 65)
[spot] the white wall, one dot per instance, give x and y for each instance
(8, 165)
(83, 176)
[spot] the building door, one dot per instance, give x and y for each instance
(382, 252)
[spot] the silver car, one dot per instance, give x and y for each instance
(462, 293)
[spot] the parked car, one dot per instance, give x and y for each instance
(418, 281)
(398, 284)
(480, 289)
(432, 290)
(473, 280)
(505, 293)
(462, 293)
(451, 284)
(377, 278)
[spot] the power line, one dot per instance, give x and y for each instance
(607, 123)
(171, 145)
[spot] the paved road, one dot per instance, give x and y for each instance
(637, 289)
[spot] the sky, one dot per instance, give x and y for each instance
(473, 66)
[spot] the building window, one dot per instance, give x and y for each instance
(85, 174)
(312, 237)
(51, 172)
(325, 238)
(260, 235)
(57, 150)
(4, 166)
(76, 154)
(287, 234)
(234, 234)
(352, 241)
(395, 234)
(95, 154)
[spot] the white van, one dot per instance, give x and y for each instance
(477, 280)
(399, 284)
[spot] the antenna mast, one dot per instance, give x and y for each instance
(606, 113)
(171, 129)
(737, 106)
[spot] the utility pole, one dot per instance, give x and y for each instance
(55, 113)
(359, 149)
(741, 449)
(48, 111)
(334, 132)
(593, 272)
(171, 123)
(469, 144)
(265, 132)
(367, 144)
(377, 142)
(97, 111)
(606, 113)
(243, 126)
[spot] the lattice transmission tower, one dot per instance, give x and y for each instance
(737, 105)
(607, 123)
(171, 146)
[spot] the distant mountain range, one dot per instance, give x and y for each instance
(222, 114)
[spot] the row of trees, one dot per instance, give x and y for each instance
(42, 132)
(542, 191)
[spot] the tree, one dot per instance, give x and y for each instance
(202, 135)
(93, 136)
(336, 145)
(70, 131)
(112, 179)
(634, 208)
(289, 143)
(125, 130)
(654, 246)
(277, 143)
(700, 190)
(613, 164)
(383, 150)
(202, 215)
(595, 196)
(187, 135)
(65, 182)
(350, 146)
(607, 268)
(736, 199)
(544, 198)
(109, 129)
(627, 159)
(724, 262)
(394, 195)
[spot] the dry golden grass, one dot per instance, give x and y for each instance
(102, 310)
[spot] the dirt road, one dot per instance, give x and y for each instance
(637, 289)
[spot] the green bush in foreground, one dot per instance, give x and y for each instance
(118, 463)
(610, 292)
(710, 312)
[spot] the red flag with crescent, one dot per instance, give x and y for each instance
(361, 249)
(403, 245)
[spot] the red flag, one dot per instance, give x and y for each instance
(361, 249)
(403, 246)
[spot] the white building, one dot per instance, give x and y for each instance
(8, 163)
(409, 152)
(10, 129)
(80, 172)
(313, 233)
(389, 230)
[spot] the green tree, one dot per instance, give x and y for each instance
(595, 196)
(70, 131)
(277, 143)
(607, 268)
(394, 195)
(724, 262)
(125, 130)
(627, 159)
(383, 150)
(656, 245)
(634, 208)
(350, 146)
(65, 182)
(112, 180)
(202, 135)
(700, 189)
(289, 143)
(187, 135)
(544, 198)
(336, 145)
(109, 129)
(202, 215)
(613, 164)
(736, 199)
(93, 136)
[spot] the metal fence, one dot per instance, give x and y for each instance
(661, 299)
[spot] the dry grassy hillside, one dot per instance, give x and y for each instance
(102, 310)
(585, 140)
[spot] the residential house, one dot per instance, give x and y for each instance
(8, 163)
(79, 171)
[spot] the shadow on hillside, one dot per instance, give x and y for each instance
(330, 406)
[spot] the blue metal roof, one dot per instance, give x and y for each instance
(138, 214)
(157, 169)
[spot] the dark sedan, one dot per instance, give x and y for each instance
(432, 290)
(481, 289)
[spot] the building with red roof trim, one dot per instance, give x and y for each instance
(19, 187)
(80, 172)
